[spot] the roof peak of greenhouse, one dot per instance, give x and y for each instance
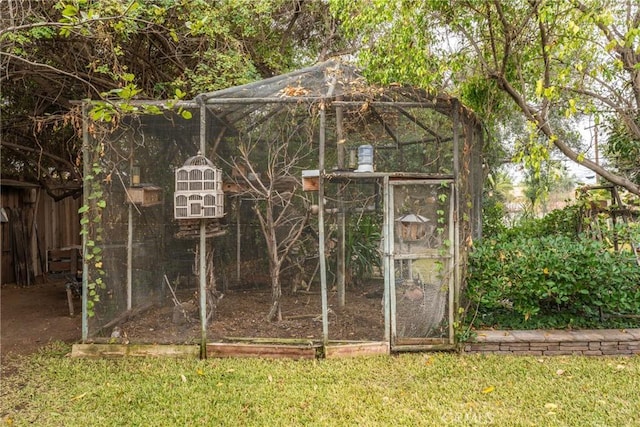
(328, 78)
(335, 79)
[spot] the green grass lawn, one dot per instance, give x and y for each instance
(52, 389)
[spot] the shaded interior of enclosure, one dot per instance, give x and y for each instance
(372, 254)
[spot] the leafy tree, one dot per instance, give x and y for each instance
(501, 186)
(540, 183)
(623, 150)
(552, 60)
(52, 53)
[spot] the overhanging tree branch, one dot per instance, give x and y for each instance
(54, 69)
(545, 128)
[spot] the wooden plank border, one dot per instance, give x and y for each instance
(263, 350)
(342, 350)
(113, 351)
(258, 348)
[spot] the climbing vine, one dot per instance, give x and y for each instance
(105, 114)
(91, 225)
(441, 226)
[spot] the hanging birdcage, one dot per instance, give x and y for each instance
(198, 191)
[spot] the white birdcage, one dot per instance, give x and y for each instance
(198, 190)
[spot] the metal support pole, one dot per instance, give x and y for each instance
(203, 247)
(454, 227)
(387, 261)
(130, 259)
(454, 253)
(321, 236)
(86, 168)
(342, 237)
(203, 289)
(130, 239)
(341, 255)
(238, 240)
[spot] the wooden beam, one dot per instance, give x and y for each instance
(261, 340)
(126, 315)
(338, 350)
(422, 348)
(384, 124)
(271, 351)
(109, 351)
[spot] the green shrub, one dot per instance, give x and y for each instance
(564, 222)
(551, 281)
(493, 213)
(363, 255)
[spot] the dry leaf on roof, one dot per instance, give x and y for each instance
(295, 91)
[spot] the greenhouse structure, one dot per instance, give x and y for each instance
(310, 213)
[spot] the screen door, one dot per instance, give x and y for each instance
(419, 253)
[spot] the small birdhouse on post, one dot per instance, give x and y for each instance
(413, 227)
(198, 191)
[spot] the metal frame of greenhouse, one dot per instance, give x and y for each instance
(424, 182)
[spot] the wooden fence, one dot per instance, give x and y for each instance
(35, 224)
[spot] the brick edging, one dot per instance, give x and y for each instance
(592, 342)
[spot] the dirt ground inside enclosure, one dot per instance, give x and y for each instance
(33, 316)
(241, 314)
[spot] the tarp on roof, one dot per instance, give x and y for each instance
(324, 82)
(329, 78)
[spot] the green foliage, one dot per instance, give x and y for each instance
(550, 281)
(113, 52)
(363, 246)
(396, 41)
(547, 61)
(92, 229)
(494, 211)
(543, 179)
(493, 214)
(623, 149)
(564, 222)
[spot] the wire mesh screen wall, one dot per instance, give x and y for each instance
(285, 260)
(132, 243)
(423, 258)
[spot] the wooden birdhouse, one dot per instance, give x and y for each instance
(198, 191)
(413, 227)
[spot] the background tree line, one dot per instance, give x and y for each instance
(52, 53)
(531, 69)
